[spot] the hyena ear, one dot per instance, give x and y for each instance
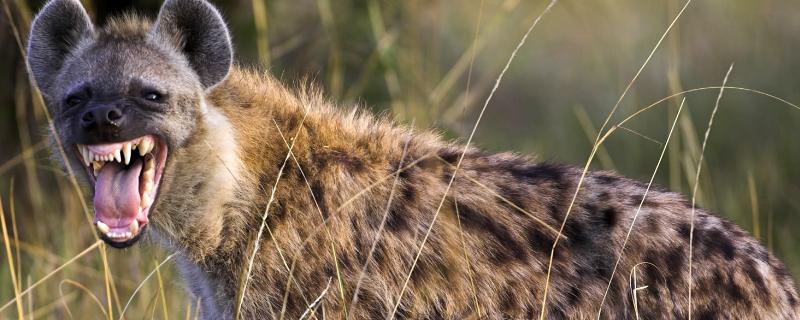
(55, 32)
(197, 29)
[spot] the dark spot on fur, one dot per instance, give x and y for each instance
(408, 194)
(538, 240)
(719, 242)
(514, 195)
(684, 229)
(653, 224)
(507, 299)
(576, 232)
(350, 162)
(318, 192)
(574, 296)
(706, 314)
(397, 219)
(539, 173)
(446, 175)
(450, 155)
(607, 179)
(674, 262)
(344, 261)
(554, 312)
(737, 293)
(636, 199)
(508, 248)
(609, 217)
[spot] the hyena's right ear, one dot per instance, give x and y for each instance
(197, 30)
(55, 32)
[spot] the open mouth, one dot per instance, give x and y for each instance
(126, 177)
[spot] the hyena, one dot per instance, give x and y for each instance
(173, 138)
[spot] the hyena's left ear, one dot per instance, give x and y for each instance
(198, 31)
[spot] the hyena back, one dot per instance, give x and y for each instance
(350, 199)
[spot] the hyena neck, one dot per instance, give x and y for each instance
(205, 173)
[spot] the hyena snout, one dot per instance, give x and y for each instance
(103, 120)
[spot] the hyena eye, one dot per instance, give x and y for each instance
(73, 101)
(152, 96)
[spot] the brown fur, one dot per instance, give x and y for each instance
(349, 160)
(354, 180)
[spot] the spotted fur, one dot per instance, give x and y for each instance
(354, 181)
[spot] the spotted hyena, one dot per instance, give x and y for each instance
(171, 137)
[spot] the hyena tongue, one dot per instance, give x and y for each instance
(116, 194)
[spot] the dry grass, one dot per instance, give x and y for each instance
(432, 64)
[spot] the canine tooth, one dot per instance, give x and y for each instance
(82, 151)
(102, 227)
(117, 156)
(87, 155)
(134, 227)
(146, 146)
(126, 153)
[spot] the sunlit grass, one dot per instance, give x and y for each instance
(382, 53)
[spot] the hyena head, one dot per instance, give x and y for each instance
(127, 102)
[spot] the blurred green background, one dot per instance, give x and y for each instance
(412, 60)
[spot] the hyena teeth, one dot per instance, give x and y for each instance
(134, 227)
(97, 166)
(146, 197)
(126, 153)
(117, 156)
(102, 227)
(85, 155)
(149, 164)
(145, 146)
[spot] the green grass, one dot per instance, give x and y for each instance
(433, 64)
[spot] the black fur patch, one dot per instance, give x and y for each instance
(610, 217)
(449, 155)
(684, 229)
(539, 173)
(607, 179)
(318, 191)
(674, 261)
(508, 249)
(717, 241)
(538, 240)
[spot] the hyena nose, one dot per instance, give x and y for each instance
(102, 118)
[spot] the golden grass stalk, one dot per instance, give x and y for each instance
(638, 209)
(141, 284)
(464, 152)
(262, 36)
(84, 289)
(52, 273)
(257, 242)
(11, 267)
(592, 154)
(161, 291)
(756, 215)
(697, 181)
